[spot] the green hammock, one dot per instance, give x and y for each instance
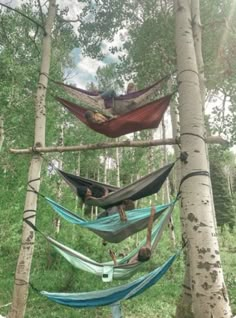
(111, 228)
(108, 270)
(112, 295)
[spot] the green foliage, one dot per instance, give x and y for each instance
(224, 208)
(148, 40)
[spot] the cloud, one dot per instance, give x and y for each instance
(84, 71)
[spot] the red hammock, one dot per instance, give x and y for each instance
(144, 117)
(108, 101)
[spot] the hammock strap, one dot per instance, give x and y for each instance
(30, 216)
(192, 134)
(34, 288)
(33, 189)
(193, 174)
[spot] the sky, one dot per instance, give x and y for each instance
(85, 67)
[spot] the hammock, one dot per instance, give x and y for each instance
(147, 116)
(88, 97)
(108, 270)
(111, 228)
(141, 188)
(111, 295)
(76, 182)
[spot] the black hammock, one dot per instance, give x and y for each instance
(141, 188)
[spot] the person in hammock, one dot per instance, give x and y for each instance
(145, 252)
(117, 107)
(92, 192)
(95, 117)
(98, 191)
(126, 205)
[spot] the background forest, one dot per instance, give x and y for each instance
(145, 53)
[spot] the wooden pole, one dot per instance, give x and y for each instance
(126, 143)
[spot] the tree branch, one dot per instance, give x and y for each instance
(24, 15)
(126, 143)
(69, 20)
(41, 11)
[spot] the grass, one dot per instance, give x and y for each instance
(52, 273)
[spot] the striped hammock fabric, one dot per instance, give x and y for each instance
(111, 228)
(108, 271)
(112, 295)
(88, 97)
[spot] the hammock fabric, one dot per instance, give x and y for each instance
(141, 188)
(112, 295)
(147, 116)
(76, 182)
(111, 228)
(108, 270)
(83, 94)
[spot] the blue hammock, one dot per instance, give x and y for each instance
(107, 270)
(111, 228)
(112, 295)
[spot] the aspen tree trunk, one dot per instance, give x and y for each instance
(150, 152)
(208, 290)
(2, 137)
(174, 115)
(117, 165)
(184, 305)
(105, 166)
(166, 189)
(20, 293)
(197, 37)
(57, 220)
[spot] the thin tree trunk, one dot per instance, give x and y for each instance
(150, 153)
(105, 166)
(166, 189)
(117, 166)
(20, 293)
(174, 115)
(57, 220)
(208, 290)
(2, 137)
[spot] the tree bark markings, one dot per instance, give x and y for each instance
(207, 283)
(20, 293)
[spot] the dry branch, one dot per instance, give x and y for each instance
(126, 143)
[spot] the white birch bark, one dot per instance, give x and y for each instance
(166, 190)
(117, 166)
(57, 220)
(105, 166)
(174, 115)
(207, 283)
(20, 293)
(2, 136)
(197, 37)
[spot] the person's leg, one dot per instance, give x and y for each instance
(122, 213)
(113, 256)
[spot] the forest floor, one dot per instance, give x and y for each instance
(52, 273)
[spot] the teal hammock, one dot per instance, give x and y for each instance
(108, 271)
(112, 295)
(111, 228)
